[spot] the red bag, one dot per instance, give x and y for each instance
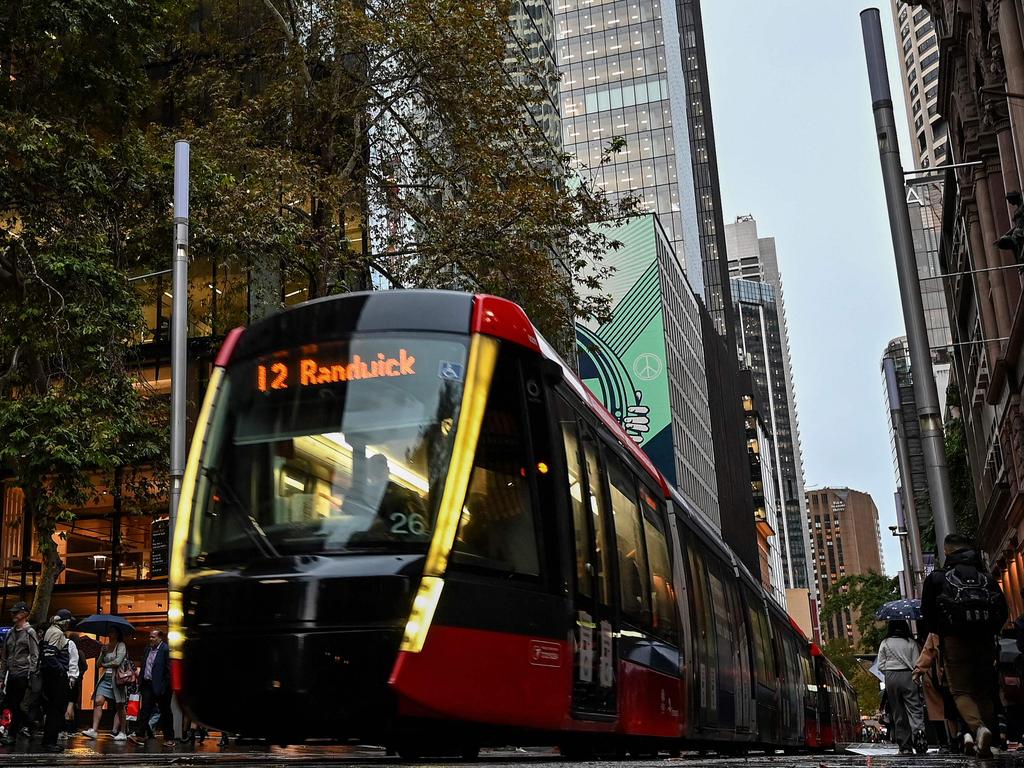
(131, 709)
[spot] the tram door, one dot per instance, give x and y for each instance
(594, 664)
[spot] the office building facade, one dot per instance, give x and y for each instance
(845, 541)
(763, 343)
(918, 41)
(758, 331)
(914, 523)
(761, 452)
(637, 70)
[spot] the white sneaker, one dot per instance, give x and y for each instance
(984, 742)
(968, 744)
(89, 733)
(122, 736)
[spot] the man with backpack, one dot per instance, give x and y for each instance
(19, 664)
(963, 605)
(55, 667)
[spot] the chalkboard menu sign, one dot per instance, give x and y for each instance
(161, 551)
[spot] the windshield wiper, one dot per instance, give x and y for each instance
(250, 527)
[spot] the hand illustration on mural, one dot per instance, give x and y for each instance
(637, 421)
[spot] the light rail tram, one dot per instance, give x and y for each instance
(404, 520)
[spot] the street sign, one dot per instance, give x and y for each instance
(160, 549)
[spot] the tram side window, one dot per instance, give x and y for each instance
(664, 619)
(496, 531)
(634, 581)
(574, 469)
(762, 646)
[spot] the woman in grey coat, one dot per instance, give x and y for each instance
(108, 690)
(897, 656)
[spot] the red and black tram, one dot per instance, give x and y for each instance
(405, 520)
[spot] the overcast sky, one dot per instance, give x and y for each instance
(796, 148)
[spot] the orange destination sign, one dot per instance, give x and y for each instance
(309, 372)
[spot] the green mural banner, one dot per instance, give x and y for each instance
(623, 361)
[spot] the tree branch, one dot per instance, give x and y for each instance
(290, 36)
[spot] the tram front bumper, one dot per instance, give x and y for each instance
(291, 686)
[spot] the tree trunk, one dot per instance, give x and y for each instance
(44, 520)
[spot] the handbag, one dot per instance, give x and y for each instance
(126, 674)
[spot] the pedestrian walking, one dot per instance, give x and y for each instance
(897, 656)
(155, 689)
(55, 669)
(76, 670)
(109, 690)
(19, 666)
(939, 704)
(963, 605)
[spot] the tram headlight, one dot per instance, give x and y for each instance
(423, 607)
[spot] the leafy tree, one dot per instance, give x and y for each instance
(343, 139)
(841, 652)
(863, 594)
(79, 203)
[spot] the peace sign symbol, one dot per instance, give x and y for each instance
(647, 366)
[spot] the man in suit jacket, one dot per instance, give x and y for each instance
(155, 690)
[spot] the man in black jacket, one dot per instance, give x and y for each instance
(969, 653)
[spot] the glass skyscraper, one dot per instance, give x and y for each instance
(620, 79)
(532, 41)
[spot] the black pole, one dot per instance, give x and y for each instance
(115, 540)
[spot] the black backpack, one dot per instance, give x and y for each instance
(970, 603)
(52, 657)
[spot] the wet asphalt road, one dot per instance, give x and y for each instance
(106, 753)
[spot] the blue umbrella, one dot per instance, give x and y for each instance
(103, 624)
(908, 610)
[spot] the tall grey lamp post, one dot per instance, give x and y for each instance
(925, 392)
(179, 326)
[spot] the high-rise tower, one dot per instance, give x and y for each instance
(845, 541)
(763, 338)
(625, 75)
(919, 64)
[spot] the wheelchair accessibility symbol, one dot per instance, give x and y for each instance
(647, 366)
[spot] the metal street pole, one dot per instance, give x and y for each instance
(925, 392)
(179, 325)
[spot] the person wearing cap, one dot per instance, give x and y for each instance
(19, 662)
(75, 672)
(55, 667)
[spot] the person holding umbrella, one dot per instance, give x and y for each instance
(108, 689)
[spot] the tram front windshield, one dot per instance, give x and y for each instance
(331, 448)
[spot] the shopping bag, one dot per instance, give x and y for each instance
(133, 706)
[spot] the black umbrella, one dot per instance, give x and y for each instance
(104, 624)
(908, 610)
